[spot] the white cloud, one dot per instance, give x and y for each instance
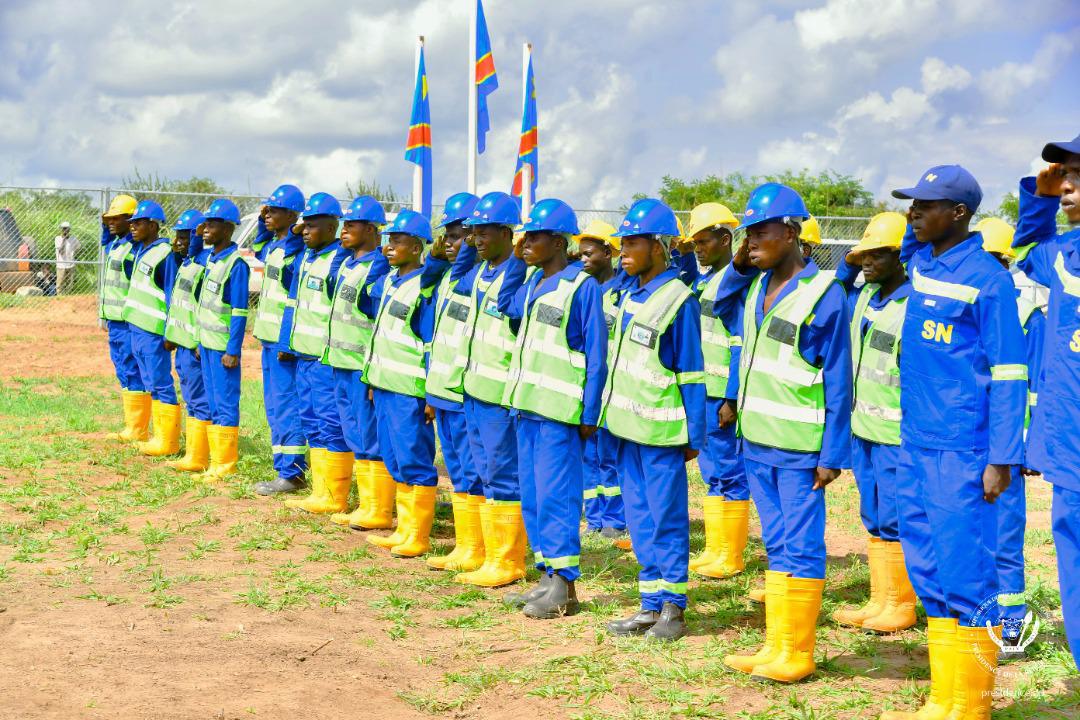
(938, 76)
(903, 110)
(1000, 85)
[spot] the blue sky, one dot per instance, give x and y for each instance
(317, 93)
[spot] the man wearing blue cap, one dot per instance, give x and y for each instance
(962, 363)
(794, 416)
(1054, 260)
(223, 313)
(281, 249)
(145, 312)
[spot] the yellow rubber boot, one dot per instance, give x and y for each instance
(875, 558)
(381, 513)
(197, 449)
(166, 439)
(461, 531)
(473, 557)
(941, 639)
(770, 649)
(317, 471)
(421, 516)
(798, 632)
(337, 470)
(213, 444)
(224, 452)
(504, 541)
(137, 410)
(711, 506)
(402, 505)
(757, 594)
(362, 475)
(975, 661)
(899, 611)
(734, 525)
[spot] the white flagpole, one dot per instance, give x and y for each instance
(471, 143)
(527, 198)
(418, 172)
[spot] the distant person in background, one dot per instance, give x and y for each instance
(66, 247)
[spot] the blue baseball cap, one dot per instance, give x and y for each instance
(945, 182)
(1056, 152)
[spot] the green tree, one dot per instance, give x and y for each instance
(1009, 209)
(387, 195)
(155, 183)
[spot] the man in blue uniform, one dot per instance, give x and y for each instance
(962, 364)
(1054, 260)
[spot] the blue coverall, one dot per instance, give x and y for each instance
(1054, 261)
(188, 367)
(223, 384)
(151, 357)
(127, 372)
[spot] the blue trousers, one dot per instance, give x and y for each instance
(454, 440)
(318, 409)
(792, 518)
(127, 372)
(154, 363)
(1066, 524)
(493, 441)
(287, 441)
(222, 388)
(357, 414)
(550, 458)
(603, 496)
(875, 465)
(406, 440)
(655, 498)
(1011, 525)
(948, 533)
(720, 462)
(192, 387)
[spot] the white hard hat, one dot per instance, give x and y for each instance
(65, 224)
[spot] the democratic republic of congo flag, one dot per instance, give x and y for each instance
(528, 152)
(418, 145)
(486, 80)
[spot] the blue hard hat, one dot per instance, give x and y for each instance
(149, 210)
(322, 204)
(286, 197)
(1058, 152)
(188, 220)
(648, 216)
(945, 182)
(552, 215)
(459, 206)
(495, 208)
(224, 209)
(366, 208)
(412, 223)
(773, 201)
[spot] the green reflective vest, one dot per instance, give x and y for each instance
(396, 359)
(781, 396)
(875, 367)
(716, 341)
(642, 401)
(273, 296)
(311, 321)
(491, 342)
(446, 362)
(182, 327)
(349, 333)
(215, 314)
(115, 282)
(547, 376)
(145, 306)
(1027, 308)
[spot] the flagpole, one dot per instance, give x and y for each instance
(527, 198)
(418, 172)
(471, 144)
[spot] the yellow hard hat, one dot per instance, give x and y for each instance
(811, 232)
(709, 215)
(600, 230)
(885, 230)
(997, 236)
(121, 205)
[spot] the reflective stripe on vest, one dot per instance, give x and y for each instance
(642, 401)
(446, 362)
(115, 283)
(311, 320)
(716, 341)
(491, 343)
(273, 296)
(875, 366)
(145, 306)
(350, 330)
(547, 376)
(1026, 309)
(396, 360)
(781, 396)
(1069, 283)
(215, 315)
(182, 327)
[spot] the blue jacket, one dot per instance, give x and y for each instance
(734, 329)
(963, 372)
(1054, 261)
(687, 267)
(234, 294)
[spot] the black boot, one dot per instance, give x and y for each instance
(670, 627)
(281, 485)
(520, 600)
(635, 624)
(559, 600)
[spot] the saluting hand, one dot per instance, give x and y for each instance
(1048, 181)
(741, 259)
(996, 479)
(823, 476)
